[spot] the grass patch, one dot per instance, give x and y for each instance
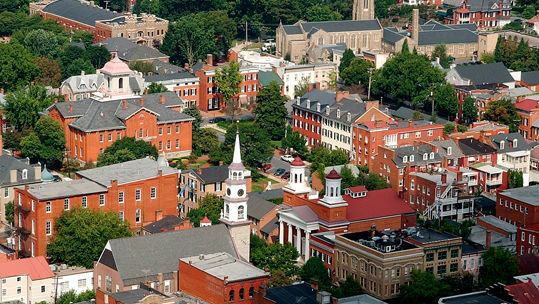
(265, 180)
(277, 200)
(276, 143)
(256, 45)
(198, 164)
(256, 188)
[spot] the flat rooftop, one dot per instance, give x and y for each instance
(501, 224)
(472, 298)
(384, 242)
(527, 195)
(69, 270)
(424, 236)
(222, 264)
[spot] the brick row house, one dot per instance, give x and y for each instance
(185, 84)
(210, 99)
(528, 110)
(145, 29)
(139, 191)
(485, 14)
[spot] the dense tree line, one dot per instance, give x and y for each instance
(516, 55)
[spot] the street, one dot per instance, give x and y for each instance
(277, 162)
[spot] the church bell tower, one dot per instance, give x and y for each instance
(363, 10)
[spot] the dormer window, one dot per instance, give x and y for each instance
(515, 141)
(405, 159)
(425, 156)
(338, 113)
(502, 145)
(431, 155)
(411, 158)
(449, 150)
(24, 174)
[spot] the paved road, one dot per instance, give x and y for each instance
(277, 162)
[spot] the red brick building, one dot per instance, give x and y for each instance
(518, 206)
(528, 239)
(485, 14)
(220, 278)
(139, 191)
(304, 213)
(323, 246)
(528, 110)
(480, 130)
(210, 99)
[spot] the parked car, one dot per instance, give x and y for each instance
(286, 175)
(279, 171)
(267, 167)
(287, 158)
(216, 119)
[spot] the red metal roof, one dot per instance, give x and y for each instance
(333, 175)
(527, 104)
(524, 293)
(377, 203)
(534, 19)
(358, 189)
(37, 268)
(297, 162)
(205, 219)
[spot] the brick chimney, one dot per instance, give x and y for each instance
(415, 24)
(209, 59)
(55, 99)
(1, 90)
(65, 97)
(488, 238)
(444, 178)
(310, 87)
(141, 101)
(124, 104)
(199, 171)
(158, 215)
(314, 284)
(341, 94)
(70, 108)
(186, 66)
(162, 99)
(371, 104)
(221, 163)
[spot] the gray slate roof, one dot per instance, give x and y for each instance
(345, 106)
(162, 67)
(522, 144)
(300, 293)
(524, 194)
(407, 113)
(269, 194)
(126, 172)
(485, 73)
(159, 253)
(85, 83)
(417, 152)
(472, 146)
(343, 26)
(482, 5)
(271, 226)
(64, 189)
(80, 12)
(443, 146)
(171, 76)
(8, 163)
(130, 51)
(258, 207)
(167, 223)
(391, 35)
(212, 175)
(530, 78)
(93, 115)
(452, 36)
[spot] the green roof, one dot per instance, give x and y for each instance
(266, 78)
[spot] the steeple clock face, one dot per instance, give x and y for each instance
(228, 191)
(240, 192)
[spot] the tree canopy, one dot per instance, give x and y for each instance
(17, 66)
(503, 111)
(228, 79)
(211, 205)
(357, 72)
(275, 257)
(270, 110)
(348, 288)
(81, 234)
(22, 107)
(424, 288)
(440, 53)
(315, 269)
(469, 110)
(125, 149)
(46, 144)
(295, 141)
(346, 59)
(499, 265)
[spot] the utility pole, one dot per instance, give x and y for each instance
(432, 102)
(369, 91)
(246, 37)
(107, 4)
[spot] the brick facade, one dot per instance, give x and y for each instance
(528, 240)
(515, 211)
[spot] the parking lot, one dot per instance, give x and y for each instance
(277, 162)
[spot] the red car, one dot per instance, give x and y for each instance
(286, 175)
(267, 167)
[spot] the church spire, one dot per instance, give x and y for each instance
(237, 153)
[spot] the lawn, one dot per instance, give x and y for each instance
(276, 143)
(226, 123)
(253, 46)
(256, 188)
(264, 180)
(198, 164)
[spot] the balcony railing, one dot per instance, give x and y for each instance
(494, 182)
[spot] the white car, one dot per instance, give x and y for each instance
(287, 158)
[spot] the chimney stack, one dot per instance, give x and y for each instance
(124, 104)
(141, 101)
(444, 178)
(209, 59)
(162, 99)
(70, 108)
(488, 239)
(158, 215)
(415, 25)
(310, 87)
(199, 171)
(314, 284)
(55, 99)
(341, 94)
(1, 90)
(65, 98)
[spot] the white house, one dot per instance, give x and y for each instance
(77, 279)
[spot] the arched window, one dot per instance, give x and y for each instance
(502, 144)
(425, 156)
(239, 174)
(411, 158)
(353, 41)
(227, 209)
(24, 174)
(241, 294)
(235, 175)
(295, 177)
(301, 178)
(140, 33)
(331, 191)
(121, 83)
(251, 292)
(241, 212)
(231, 296)
(405, 159)
(431, 155)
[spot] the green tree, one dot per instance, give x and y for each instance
(424, 288)
(228, 79)
(449, 128)
(155, 87)
(445, 100)
(10, 213)
(31, 147)
(441, 53)
(417, 115)
(348, 179)
(294, 141)
(49, 72)
(469, 111)
(116, 5)
(322, 13)
(488, 58)
(499, 265)
(270, 110)
(278, 278)
(188, 40)
(96, 55)
(146, 6)
(315, 269)
(42, 43)
(144, 67)
(375, 182)
(52, 139)
(117, 152)
(346, 59)
(211, 206)
(528, 12)
(77, 66)
(405, 48)
(22, 107)
(194, 112)
(275, 257)
(12, 138)
(223, 27)
(72, 297)
(81, 234)
(503, 111)
(357, 72)
(17, 67)
(348, 288)
(255, 145)
(302, 87)
(513, 26)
